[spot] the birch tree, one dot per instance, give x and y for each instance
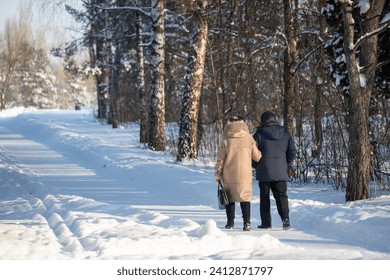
(156, 138)
(189, 118)
(141, 81)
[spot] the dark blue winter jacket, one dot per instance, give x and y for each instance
(278, 151)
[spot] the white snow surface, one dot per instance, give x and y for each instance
(72, 188)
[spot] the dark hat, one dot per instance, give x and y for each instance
(268, 117)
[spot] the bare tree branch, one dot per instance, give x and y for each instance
(368, 35)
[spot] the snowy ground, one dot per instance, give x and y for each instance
(72, 188)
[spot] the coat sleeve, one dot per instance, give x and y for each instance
(220, 162)
(291, 150)
(254, 162)
(256, 154)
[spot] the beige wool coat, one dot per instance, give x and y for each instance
(234, 162)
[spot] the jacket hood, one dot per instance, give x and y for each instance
(273, 131)
(268, 117)
(236, 129)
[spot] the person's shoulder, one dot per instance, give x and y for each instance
(285, 130)
(257, 133)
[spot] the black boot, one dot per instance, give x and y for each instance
(286, 224)
(230, 214)
(229, 225)
(246, 215)
(264, 227)
(247, 227)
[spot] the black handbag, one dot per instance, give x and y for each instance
(222, 197)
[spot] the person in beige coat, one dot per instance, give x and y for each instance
(234, 168)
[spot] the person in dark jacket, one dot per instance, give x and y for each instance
(278, 151)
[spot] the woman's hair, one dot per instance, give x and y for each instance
(236, 118)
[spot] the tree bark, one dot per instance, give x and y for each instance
(156, 115)
(319, 76)
(98, 52)
(112, 54)
(189, 118)
(290, 62)
(361, 87)
(143, 135)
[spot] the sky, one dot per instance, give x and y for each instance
(72, 188)
(8, 10)
(53, 19)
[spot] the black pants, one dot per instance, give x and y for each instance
(279, 191)
(245, 209)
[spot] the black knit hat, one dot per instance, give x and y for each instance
(268, 117)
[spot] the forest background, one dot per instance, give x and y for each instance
(182, 68)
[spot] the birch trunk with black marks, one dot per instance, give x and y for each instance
(156, 137)
(189, 118)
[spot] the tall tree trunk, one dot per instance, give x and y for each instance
(112, 118)
(319, 73)
(112, 51)
(189, 117)
(227, 42)
(290, 62)
(101, 87)
(143, 134)
(224, 71)
(156, 136)
(361, 87)
(98, 56)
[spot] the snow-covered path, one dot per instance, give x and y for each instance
(72, 188)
